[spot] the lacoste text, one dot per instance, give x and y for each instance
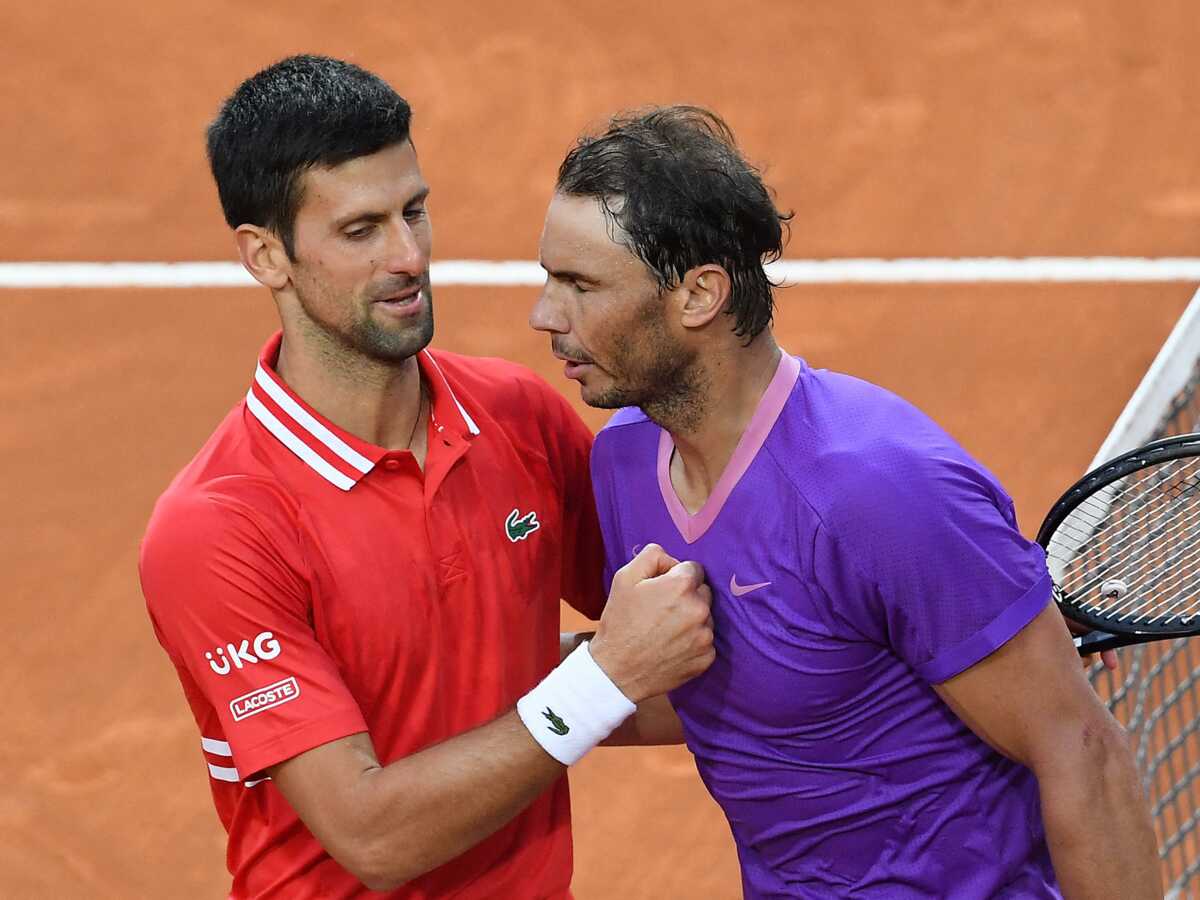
(264, 698)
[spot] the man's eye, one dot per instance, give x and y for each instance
(415, 214)
(360, 232)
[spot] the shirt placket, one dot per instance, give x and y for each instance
(447, 542)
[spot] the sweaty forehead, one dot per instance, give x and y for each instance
(577, 228)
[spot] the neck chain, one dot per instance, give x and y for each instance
(417, 422)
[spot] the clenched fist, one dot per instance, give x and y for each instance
(656, 631)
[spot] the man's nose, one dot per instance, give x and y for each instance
(406, 256)
(546, 314)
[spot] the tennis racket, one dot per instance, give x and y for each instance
(1123, 547)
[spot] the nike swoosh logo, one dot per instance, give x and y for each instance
(637, 548)
(739, 590)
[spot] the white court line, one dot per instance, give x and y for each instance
(523, 273)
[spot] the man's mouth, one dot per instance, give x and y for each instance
(573, 367)
(407, 295)
(404, 301)
(570, 358)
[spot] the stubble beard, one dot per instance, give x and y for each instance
(365, 338)
(670, 385)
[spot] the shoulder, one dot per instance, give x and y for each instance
(195, 518)
(833, 403)
(229, 475)
(210, 544)
(209, 495)
(866, 459)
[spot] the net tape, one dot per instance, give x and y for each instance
(1155, 692)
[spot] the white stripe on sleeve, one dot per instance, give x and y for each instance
(224, 773)
(218, 748)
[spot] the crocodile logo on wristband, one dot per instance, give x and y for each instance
(557, 725)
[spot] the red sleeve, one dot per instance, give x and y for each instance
(568, 447)
(228, 594)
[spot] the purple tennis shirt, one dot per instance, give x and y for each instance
(857, 556)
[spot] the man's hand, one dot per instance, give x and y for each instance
(1108, 657)
(656, 631)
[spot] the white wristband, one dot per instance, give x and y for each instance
(574, 708)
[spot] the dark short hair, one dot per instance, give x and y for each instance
(303, 111)
(673, 181)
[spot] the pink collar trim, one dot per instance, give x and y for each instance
(692, 528)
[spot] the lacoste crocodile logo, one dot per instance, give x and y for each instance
(740, 590)
(519, 527)
(557, 725)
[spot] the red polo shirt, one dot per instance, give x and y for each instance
(308, 585)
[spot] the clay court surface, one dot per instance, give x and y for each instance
(916, 129)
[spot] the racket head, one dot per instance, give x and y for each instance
(1123, 542)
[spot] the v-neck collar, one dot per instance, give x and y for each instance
(692, 527)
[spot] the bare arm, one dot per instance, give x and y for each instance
(389, 824)
(655, 722)
(1031, 701)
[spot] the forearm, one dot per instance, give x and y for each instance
(655, 723)
(1097, 822)
(390, 824)
(399, 821)
(436, 804)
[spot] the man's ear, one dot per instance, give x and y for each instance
(264, 256)
(706, 292)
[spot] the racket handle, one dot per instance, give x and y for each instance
(1095, 641)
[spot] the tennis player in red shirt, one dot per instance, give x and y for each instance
(358, 576)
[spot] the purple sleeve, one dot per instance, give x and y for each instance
(925, 557)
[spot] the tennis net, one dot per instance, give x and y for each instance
(1155, 692)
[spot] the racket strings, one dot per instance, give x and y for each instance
(1168, 566)
(1113, 550)
(1138, 512)
(1090, 521)
(1167, 608)
(1165, 542)
(1094, 513)
(1131, 550)
(1164, 589)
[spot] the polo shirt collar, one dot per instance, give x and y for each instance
(445, 406)
(333, 453)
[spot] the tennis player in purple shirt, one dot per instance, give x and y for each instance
(896, 709)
